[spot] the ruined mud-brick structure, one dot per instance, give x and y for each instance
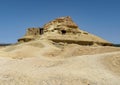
(31, 34)
(64, 30)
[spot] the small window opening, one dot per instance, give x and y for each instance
(63, 32)
(41, 31)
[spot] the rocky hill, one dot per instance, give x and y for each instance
(60, 53)
(63, 29)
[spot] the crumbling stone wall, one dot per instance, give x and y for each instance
(31, 34)
(33, 31)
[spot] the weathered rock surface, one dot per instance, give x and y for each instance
(63, 29)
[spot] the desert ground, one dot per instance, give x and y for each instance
(43, 62)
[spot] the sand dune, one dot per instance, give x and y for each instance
(43, 62)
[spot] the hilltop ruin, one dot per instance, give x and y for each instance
(64, 30)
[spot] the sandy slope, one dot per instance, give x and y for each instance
(43, 63)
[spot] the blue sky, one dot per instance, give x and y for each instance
(99, 17)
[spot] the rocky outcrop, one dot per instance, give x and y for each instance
(63, 29)
(61, 25)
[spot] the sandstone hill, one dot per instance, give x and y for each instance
(60, 53)
(63, 29)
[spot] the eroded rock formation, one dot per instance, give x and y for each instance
(61, 25)
(63, 29)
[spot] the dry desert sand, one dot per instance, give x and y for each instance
(43, 62)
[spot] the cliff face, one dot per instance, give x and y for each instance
(63, 29)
